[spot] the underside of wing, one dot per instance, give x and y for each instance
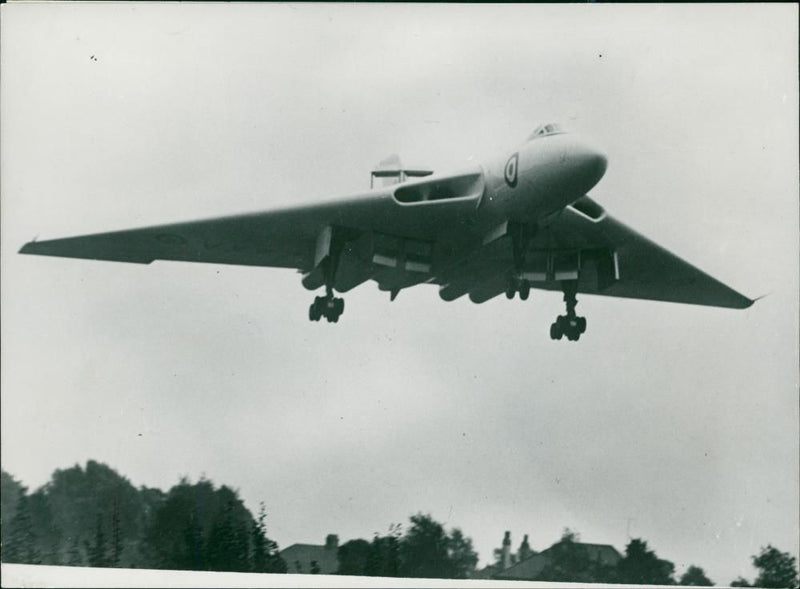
(605, 256)
(285, 237)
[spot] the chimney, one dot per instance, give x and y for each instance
(331, 542)
(506, 551)
(525, 551)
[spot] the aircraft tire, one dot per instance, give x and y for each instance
(524, 290)
(571, 332)
(314, 312)
(555, 331)
(581, 324)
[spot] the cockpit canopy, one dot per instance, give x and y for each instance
(544, 130)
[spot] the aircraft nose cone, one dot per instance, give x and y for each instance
(589, 163)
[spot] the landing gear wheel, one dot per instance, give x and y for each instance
(315, 310)
(329, 307)
(555, 330)
(581, 324)
(524, 290)
(511, 289)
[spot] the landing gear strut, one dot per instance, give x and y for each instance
(521, 236)
(569, 325)
(328, 306)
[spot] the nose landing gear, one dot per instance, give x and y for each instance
(569, 325)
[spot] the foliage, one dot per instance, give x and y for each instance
(22, 544)
(227, 547)
(427, 551)
(641, 566)
(463, 557)
(66, 512)
(569, 535)
(10, 492)
(775, 568)
(695, 577)
(740, 582)
(423, 551)
(98, 551)
(75, 555)
(95, 517)
(384, 554)
(265, 551)
(198, 527)
(353, 557)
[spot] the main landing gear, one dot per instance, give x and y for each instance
(329, 306)
(569, 325)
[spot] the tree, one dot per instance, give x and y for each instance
(97, 550)
(427, 551)
(22, 544)
(198, 527)
(75, 555)
(775, 568)
(463, 557)
(70, 503)
(423, 551)
(353, 557)
(176, 532)
(10, 492)
(116, 539)
(265, 551)
(740, 582)
(696, 577)
(384, 554)
(641, 566)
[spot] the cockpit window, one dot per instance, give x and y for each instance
(544, 130)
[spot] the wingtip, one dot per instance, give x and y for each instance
(758, 298)
(747, 302)
(27, 248)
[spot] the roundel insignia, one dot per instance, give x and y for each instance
(511, 170)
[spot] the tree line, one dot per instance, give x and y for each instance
(95, 517)
(569, 561)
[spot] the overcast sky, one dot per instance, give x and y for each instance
(674, 423)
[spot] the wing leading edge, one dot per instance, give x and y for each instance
(286, 238)
(577, 243)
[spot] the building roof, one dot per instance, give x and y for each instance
(306, 554)
(531, 568)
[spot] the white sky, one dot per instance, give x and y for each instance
(676, 423)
